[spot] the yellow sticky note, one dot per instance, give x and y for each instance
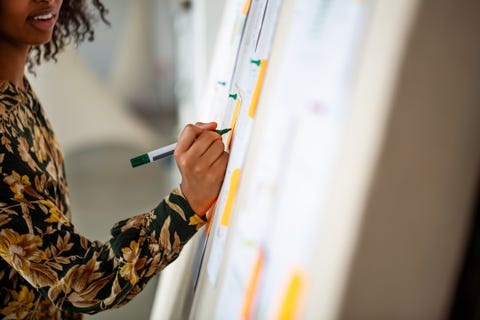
(227, 211)
(293, 298)
(258, 89)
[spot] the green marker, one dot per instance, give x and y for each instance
(161, 152)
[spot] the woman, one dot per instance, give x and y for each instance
(47, 269)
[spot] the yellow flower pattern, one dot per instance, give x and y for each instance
(20, 250)
(133, 262)
(47, 269)
(22, 303)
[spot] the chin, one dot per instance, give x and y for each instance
(40, 41)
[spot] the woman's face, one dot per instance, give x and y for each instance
(28, 22)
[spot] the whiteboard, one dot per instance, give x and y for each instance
(309, 88)
(317, 38)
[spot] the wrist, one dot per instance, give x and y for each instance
(199, 208)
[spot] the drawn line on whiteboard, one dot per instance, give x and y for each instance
(261, 25)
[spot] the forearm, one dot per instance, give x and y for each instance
(79, 275)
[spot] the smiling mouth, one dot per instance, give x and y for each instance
(44, 17)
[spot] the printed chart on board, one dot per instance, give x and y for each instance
(239, 115)
(302, 122)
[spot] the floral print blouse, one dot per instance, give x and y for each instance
(47, 269)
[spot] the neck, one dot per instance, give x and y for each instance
(12, 63)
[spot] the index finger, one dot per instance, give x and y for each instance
(191, 132)
(188, 135)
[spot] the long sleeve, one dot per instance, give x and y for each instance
(39, 242)
(78, 275)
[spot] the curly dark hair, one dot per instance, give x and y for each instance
(75, 23)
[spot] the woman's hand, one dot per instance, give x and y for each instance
(202, 161)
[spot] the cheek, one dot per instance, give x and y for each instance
(10, 26)
(13, 18)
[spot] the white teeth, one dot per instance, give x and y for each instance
(44, 17)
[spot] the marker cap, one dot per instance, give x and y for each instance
(138, 161)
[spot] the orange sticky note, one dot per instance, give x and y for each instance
(227, 211)
(246, 7)
(291, 303)
(258, 89)
(210, 219)
(252, 288)
(233, 122)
